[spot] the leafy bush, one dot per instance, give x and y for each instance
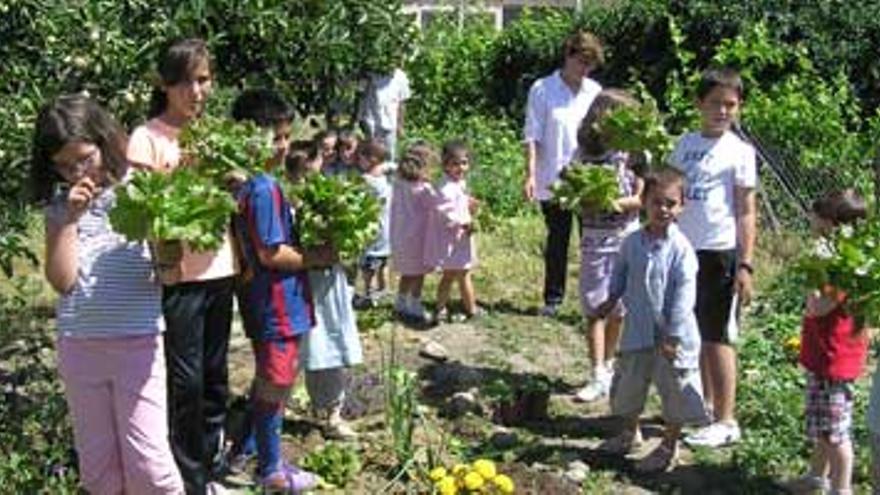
(449, 70)
(35, 433)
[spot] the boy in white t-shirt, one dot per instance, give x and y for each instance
(719, 219)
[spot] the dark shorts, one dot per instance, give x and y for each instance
(277, 361)
(717, 306)
(373, 263)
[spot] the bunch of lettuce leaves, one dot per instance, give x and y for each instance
(586, 187)
(181, 205)
(339, 211)
(218, 147)
(849, 261)
(637, 129)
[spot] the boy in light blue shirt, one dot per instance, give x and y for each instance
(656, 275)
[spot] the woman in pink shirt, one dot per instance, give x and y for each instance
(197, 291)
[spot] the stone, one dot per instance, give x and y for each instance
(577, 472)
(503, 438)
(434, 350)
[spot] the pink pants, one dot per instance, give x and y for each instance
(116, 391)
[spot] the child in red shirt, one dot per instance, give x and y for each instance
(833, 350)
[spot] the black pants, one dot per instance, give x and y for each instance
(198, 316)
(558, 223)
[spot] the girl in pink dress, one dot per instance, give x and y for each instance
(412, 200)
(449, 243)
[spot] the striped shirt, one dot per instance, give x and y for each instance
(115, 293)
(275, 304)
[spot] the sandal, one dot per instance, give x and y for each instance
(622, 444)
(288, 479)
(660, 460)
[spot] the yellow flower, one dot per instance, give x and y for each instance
(504, 483)
(446, 486)
(473, 481)
(459, 469)
(437, 473)
(485, 467)
(793, 344)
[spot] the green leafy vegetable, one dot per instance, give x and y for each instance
(637, 129)
(587, 187)
(336, 464)
(338, 210)
(180, 205)
(848, 260)
(218, 147)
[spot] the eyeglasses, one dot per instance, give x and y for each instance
(79, 167)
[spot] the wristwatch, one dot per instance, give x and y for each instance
(747, 267)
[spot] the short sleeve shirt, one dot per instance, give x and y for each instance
(115, 293)
(385, 95)
(714, 167)
(553, 115)
(276, 304)
(154, 145)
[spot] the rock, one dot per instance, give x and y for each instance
(502, 438)
(462, 403)
(577, 472)
(537, 466)
(433, 350)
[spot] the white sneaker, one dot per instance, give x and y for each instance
(336, 427)
(597, 389)
(717, 434)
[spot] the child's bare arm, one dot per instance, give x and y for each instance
(289, 258)
(746, 228)
(61, 236)
(631, 203)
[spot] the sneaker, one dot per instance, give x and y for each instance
(362, 302)
(337, 428)
(718, 434)
(550, 310)
(400, 305)
(661, 460)
(598, 388)
(288, 479)
(215, 488)
(237, 464)
(622, 444)
(442, 316)
(417, 312)
(593, 391)
(478, 313)
(808, 483)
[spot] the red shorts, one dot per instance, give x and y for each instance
(276, 361)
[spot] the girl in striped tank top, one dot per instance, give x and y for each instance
(110, 352)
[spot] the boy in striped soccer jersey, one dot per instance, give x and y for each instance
(274, 297)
